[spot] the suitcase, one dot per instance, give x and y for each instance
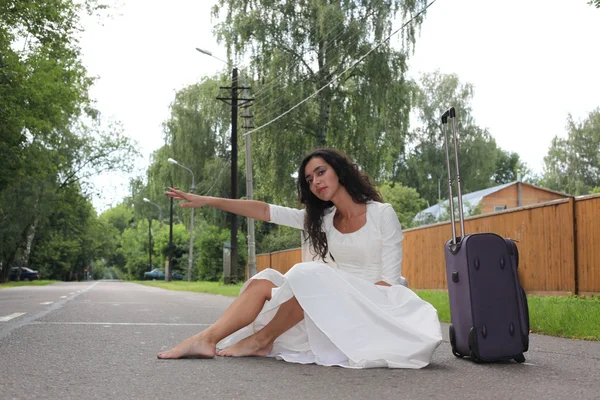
(488, 306)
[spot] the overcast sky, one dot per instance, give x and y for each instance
(531, 62)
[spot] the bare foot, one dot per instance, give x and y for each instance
(248, 347)
(194, 347)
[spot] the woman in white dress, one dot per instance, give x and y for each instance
(348, 307)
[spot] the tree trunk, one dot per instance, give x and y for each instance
(5, 272)
(28, 243)
(324, 97)
(323, 123)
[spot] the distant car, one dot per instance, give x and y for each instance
(27, 274)
(159, 275)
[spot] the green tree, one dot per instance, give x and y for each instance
(120, 217)
(482, 163)
(406, 201)
(116, 220)
(134, 247)
(70, 238)
(197, 130)
(43, 83)
(50, 168)
(572, 165)
(43, 94)
(298, 48)
(210, 242)
(278, 238)
(197, 136)
(509, 167)
(181, 240)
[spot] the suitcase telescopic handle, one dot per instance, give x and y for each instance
(451, 114)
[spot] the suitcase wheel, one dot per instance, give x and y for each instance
(520, 358)
(475, 358)
(453, 342)
(473, 346)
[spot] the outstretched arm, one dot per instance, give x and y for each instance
(246, 208)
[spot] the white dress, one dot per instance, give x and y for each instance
(348, 320)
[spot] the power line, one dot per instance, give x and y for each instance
(343, 72)
(272, 84)
(216, 180)
(277, 100)
(341, 31)
(353, 41)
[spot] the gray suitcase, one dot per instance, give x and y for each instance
(488, 306)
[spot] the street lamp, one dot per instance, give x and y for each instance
(249, 191)
(208, 53)
(150, 230)
(191, 251)
(157, 206)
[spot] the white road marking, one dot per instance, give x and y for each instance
(526, 363)
(7, 329)
(71, 292)
(46, 303)
(119, 323)
(11, 316)
(63, 297)
(130, 303)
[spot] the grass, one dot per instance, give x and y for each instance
(569, 317)
(440, 301)
(25, 283)
(202, 287)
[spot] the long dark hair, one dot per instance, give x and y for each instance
(356, 183)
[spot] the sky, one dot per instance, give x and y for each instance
(532, 63)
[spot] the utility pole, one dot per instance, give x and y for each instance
(191, 250)
(170, 269)
(234, 171)
(249, 185)
(150, 243)
(150, 229)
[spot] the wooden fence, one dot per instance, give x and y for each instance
(588, 244)
(559, 247)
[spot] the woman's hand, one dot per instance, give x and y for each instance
(246, 208)
(191, 200)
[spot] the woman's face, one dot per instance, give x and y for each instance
(321, 178)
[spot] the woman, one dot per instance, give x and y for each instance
(345, 308)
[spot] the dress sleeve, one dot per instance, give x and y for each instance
(291, 217)
(391, 258)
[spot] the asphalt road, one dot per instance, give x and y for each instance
(100, 341)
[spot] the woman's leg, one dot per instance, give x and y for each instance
(261, 343)
(239, 314)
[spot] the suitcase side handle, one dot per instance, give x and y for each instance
(451, 114)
